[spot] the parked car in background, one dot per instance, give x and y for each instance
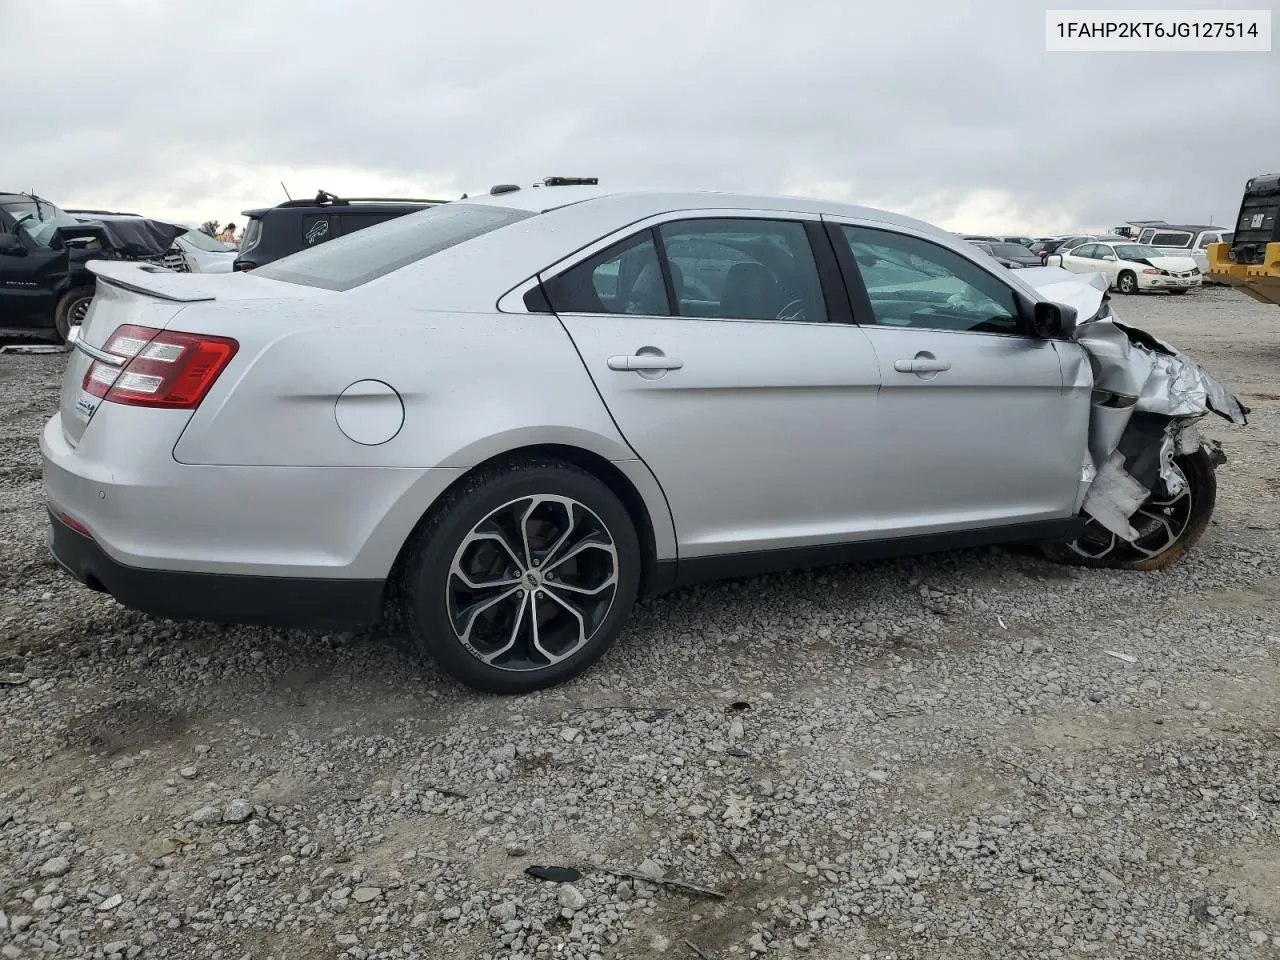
(192, 250)
(45, 285)
(204, 254)
(1132, 267)
(1188, 239)
(1020, 241)
(274, 232)
(497, 416)
(1012, 255)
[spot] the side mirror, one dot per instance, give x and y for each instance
(11, 245)
(1052, 321)
(1109, 256)
(1053, 260)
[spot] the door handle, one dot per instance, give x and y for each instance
(645, 361)
(922, 364)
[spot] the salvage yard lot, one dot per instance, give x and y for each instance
(922, 758)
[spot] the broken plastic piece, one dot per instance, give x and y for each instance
(1114, 496)
(554, 874)
(1126, 657)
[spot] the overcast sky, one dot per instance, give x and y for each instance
(946, 110)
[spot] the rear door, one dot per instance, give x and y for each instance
(719, 350)
(973, 427)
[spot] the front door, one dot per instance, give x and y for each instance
(974, 428)
(713, 344)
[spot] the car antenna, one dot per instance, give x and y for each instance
(285, 189)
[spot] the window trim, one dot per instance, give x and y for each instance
(860, 298)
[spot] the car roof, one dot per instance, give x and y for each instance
(1191, 227)
(348, 204)
(664, 200)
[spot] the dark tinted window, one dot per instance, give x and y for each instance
(315, 229)
(744, 269)
(252, 231)
(623, 278)
(365, 255)
(916, 283)
(351, 222)
(1170, 238)
(1011, 251)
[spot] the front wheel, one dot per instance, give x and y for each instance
(1168, 526)
(1127, 282)
(522, 577)
(71, 310)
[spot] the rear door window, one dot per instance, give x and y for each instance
(743, 268)
(623, 278)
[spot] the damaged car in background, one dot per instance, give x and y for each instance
(507, 417)
(45, 283)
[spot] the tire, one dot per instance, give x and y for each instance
(1197, 468)
(71, 309)
(457, 548)
(1127, 282)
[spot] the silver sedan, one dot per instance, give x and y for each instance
(509, 416)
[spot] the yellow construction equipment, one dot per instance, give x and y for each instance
(1251, 261)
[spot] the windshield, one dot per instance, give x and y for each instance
(202, 241)
(1138, 251)
(367, 254)
(39, 220)
(1012, 251)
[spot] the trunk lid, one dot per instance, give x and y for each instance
(149, 296)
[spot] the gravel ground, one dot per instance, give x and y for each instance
(925, 758)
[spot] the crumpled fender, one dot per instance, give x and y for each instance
(1133, 372)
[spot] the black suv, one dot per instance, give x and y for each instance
(275, 232)
(45, 283)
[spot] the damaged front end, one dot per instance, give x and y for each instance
(1147, 398)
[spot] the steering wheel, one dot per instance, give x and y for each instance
(792, 311)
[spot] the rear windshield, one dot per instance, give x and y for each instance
(365, 255)
(252, 230)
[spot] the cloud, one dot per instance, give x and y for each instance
(949, 111)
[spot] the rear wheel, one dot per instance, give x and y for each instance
(1168, 526)
(1127, 282)
(71, 310)
(522, 577)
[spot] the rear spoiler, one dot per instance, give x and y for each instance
(149, 279)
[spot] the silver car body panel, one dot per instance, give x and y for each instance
(770, 435)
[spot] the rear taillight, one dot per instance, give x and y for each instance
(162, 368)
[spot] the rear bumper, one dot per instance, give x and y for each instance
(321, 604)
